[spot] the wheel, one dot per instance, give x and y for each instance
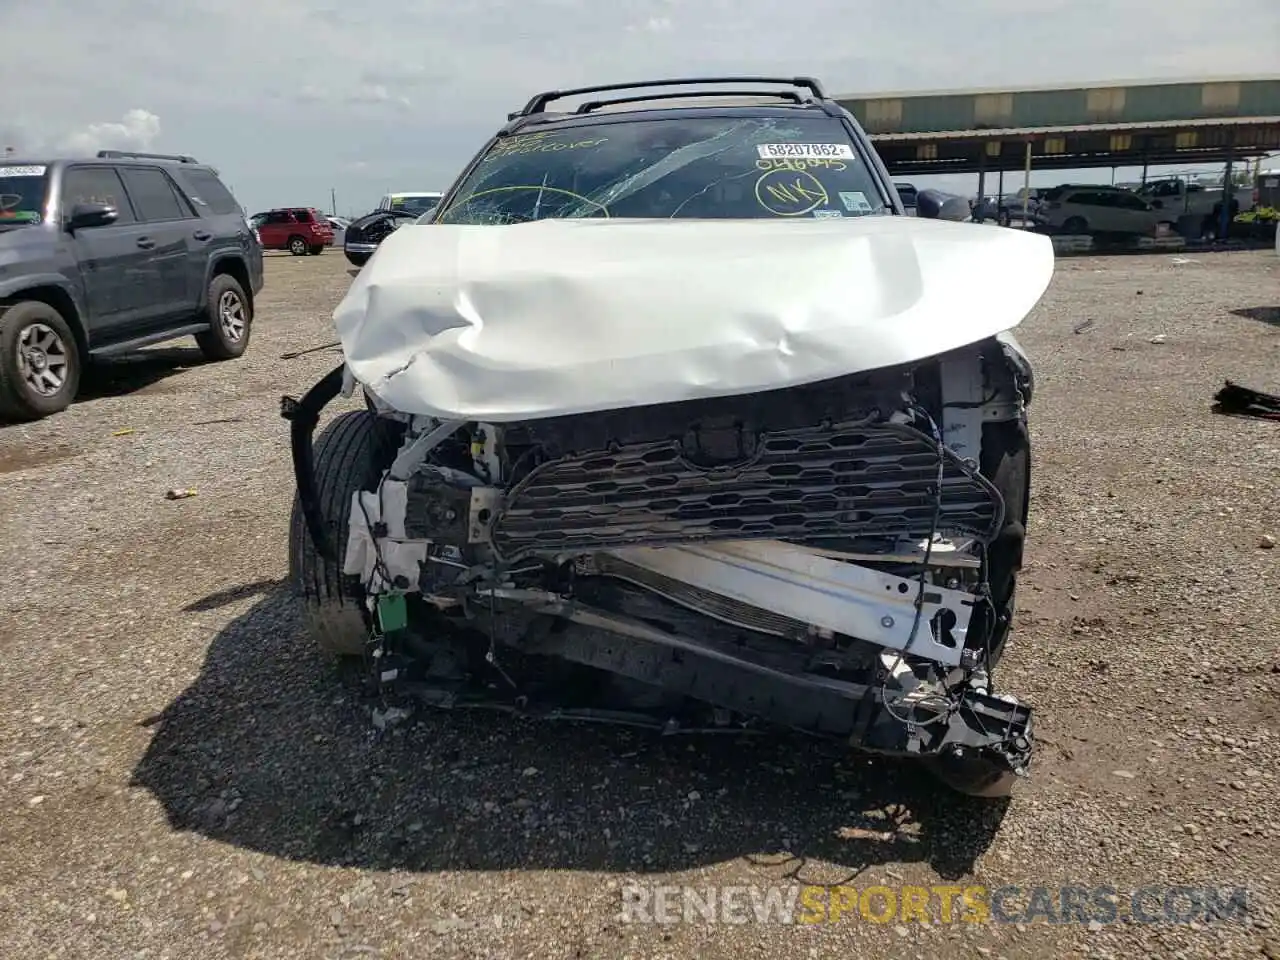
(316, 249)
(39, 361)
(350, 454)
(298, 246)
(1075, 226)
(357, 259)
(230, 320)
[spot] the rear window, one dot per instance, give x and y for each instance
(729, 167)
(208, 193)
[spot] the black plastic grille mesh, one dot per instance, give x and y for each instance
(803, 486)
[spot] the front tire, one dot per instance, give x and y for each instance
(357, 259)
(350, 454)
(1075, 226)
(230, 315)
(39, 361)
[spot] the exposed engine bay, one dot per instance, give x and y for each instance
(837, 558)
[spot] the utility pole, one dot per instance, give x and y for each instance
(333, 202)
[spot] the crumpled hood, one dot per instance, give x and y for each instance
(556, 317)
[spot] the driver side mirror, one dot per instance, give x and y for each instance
(937, 205)
(91, 215)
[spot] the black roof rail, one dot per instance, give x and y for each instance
(131, 155)
(539, 103)
(779, 94)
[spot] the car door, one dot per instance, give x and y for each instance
(173, 238)
(275, 229)
(115, 268)
(1138, 216)
(1101, 211)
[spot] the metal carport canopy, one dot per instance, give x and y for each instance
(1150, 123)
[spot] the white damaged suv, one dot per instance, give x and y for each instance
(650, 438)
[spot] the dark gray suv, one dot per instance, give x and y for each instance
(103, 255)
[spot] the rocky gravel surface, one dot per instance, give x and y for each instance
(182, 776)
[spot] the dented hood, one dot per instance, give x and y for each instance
(556, 317)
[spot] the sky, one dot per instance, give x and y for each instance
(291, 99)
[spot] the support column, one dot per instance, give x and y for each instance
(1228, 191)
(1026, 185)
(982, 178)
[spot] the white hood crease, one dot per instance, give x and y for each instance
(559, 317)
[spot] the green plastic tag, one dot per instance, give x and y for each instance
(393, 613)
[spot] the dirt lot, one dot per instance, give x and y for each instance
(181, 776)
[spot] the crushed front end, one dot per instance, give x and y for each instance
(838, 558)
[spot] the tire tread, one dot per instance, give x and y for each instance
(349, 455)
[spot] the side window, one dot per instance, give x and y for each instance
(278, 216)
(95, 185)
(208, 192)
(184, 205)
(152, 195)
(1132, 203)
(302, 216)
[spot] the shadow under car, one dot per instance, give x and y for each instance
(271, 748)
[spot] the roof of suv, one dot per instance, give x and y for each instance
(113, 157)
(664, 105)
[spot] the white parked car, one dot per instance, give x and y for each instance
(1090, 208)
(410, 201)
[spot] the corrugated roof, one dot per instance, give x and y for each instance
(993, 133)
(1044, 88)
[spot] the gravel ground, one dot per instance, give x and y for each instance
(181, 776)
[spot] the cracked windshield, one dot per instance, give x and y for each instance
(708, 167)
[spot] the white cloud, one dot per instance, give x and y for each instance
(377, 93)
(137, 130)
(293, 89)
(654, 25)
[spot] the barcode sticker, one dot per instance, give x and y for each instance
(804, 151)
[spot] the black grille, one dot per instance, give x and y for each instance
(805, 486)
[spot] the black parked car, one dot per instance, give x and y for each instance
(103, 255)
(365, 233)
(393, 210)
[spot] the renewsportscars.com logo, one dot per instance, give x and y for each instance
(939, 903)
